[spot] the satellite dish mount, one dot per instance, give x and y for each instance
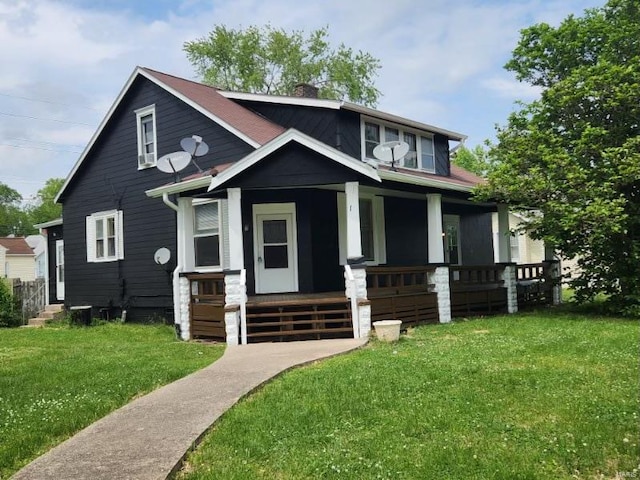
(390, 152)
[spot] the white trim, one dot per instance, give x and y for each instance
(435, 230)
(379, 227)
(352, 214)
(453, 220)
(140, 71)
(140, 114)
(234, 227)
(293, 135)
(193, 184)
(50, 223)
(276, 209)
(59, 290)
(421, 181)
(207, 268)
(90, 233)
(337, 105)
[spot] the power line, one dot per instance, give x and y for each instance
(46, 119)
(43, 142)
(48, 101)
(40, 148)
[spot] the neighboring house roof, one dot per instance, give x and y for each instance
(245, 124)
(337, 104)
(50, 223)
(16, 246)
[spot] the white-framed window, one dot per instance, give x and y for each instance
(372, 228)
(105, 239)
(207, 246)
(146, 127)
(514, 245)
(421, 155)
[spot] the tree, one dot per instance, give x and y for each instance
(476, 160)
(45, 209)
(272, 61)
(13, 220)
(575, 152)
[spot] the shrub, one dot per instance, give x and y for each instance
(10, 315)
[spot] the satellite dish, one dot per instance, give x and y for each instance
(162, 256)
(194, 146)
(173, 162)
(391, 152)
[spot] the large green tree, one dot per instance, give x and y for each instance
(272, 61)
(575, 153)
(476, 160)
(13, 219)
(45, 209)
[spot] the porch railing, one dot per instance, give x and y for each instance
(206, 306)
(534, 284)
(477, 290)
(402, 293)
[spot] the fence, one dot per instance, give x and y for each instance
(30, 295)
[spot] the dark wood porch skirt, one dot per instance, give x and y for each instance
(468, 303)
(413, 309)
(295, 316)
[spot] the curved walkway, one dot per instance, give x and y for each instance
(149, 437)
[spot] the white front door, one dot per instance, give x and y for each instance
(60, 269)
(275, 247)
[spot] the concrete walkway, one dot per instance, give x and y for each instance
(149, 437)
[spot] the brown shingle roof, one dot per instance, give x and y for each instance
(458, 176)
(249, 123)
(16, 246)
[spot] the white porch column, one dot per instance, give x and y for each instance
(236, 245)
(355, 277)
(504, 234)
(434, 229)
(440, 280)
(352, 203)
(181, 315)
(510, 282)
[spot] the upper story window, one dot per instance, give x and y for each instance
(206, 234)
(421, 151)
(146, 126)
(105, 236)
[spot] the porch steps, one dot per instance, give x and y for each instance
(49, 312)
(282, 319)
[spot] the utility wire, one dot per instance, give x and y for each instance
(29, 140)
(46, 119)
(48, 101)
(40, 148)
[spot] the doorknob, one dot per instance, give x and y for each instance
(260, 259)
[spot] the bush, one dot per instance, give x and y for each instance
(10, 314)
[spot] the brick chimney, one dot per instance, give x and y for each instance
(305, 90)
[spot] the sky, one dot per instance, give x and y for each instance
(65, 61)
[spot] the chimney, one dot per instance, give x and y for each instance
(305, 90)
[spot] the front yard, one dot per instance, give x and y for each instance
(56, 381)
(530, 396)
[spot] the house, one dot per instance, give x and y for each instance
(287, 228)
(38, 244)
(18, 259)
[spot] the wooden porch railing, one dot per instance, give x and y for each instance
(402, 293)
(534, 284)
(477, 290)
(207, 305)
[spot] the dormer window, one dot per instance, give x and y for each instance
(421, 152)
(146, 124)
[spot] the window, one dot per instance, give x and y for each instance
(105, 236)
(421, 147)
(451, 227)
(372, 228)
(514, 244)
(206, 234)
(146, 124)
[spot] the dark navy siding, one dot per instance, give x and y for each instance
(349, 134)
(53, 234)
(476, 239)
(109, 179)
(441, 148)
(406, 231)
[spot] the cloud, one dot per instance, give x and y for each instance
(511, 88)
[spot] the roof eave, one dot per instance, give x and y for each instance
(193, 184)
(425, 182)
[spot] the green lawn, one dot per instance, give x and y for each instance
(531, 396)
(55, 381)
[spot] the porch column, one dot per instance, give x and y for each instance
(440, 280)
(236, 246)
(434, 228)
(352, 203)
(510, 282)
(504, 234)
(554, 268)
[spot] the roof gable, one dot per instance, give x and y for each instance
(16, 246)
(246, 125)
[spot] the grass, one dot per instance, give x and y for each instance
(56, 381)
(531, 396)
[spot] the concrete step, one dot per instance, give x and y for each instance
(56, 307)
(36, 322)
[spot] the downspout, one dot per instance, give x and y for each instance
(169, 203)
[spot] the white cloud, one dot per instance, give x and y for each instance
(511, 88)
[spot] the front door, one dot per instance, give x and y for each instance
(60, 269)
(275, 247)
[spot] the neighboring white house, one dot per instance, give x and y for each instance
(18, 259)
(39, 245)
